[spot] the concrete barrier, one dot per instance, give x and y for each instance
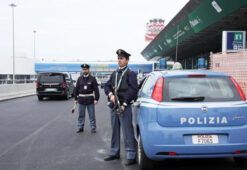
(9, 91)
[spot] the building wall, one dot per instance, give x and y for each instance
(234, 64)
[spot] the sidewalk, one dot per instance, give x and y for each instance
(15, 91)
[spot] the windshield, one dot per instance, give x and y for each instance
(200, 89)
(53, 78)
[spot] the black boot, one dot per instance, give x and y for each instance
(80, 130)
(111, 158)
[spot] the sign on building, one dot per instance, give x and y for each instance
(153, 28)
(233, 40)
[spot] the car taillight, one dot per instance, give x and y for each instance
(37, 84)
(240, 152)
(64, 85)
(158, 90)
(172, 153)
(239, 89)
(196, 75)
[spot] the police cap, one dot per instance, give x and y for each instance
(85, 66)
(123, 53)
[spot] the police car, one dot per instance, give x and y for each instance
(190, 114)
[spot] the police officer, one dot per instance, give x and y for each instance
(87, 95)
(123, 81)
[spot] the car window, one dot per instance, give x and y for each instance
(141, 82)
(210, 89)
(53, 78)
(148, 86)
(67, 77)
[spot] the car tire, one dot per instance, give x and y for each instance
(66, 97)
(240, 162)
(143, 161)
(40, 98)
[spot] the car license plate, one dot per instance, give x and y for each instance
(205, 139)
(50, 89)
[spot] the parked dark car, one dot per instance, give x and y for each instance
(50, 84)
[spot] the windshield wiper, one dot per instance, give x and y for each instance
(199, 98)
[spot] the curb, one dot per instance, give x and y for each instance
(16, 95)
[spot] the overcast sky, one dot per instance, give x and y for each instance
(88, 30)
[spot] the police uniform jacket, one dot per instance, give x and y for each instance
(85, 86)
(128, 88)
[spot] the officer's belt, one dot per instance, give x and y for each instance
(85, 95)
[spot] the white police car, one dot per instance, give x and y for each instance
(190, 114)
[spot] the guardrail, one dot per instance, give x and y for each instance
(9, 91)
(17, 81)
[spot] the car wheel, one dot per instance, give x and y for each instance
(66, 97)
(40, 98)
(143, 161)
(240, 162)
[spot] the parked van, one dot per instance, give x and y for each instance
(51, 84)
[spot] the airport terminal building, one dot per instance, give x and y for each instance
(196, 31)
(27, 69)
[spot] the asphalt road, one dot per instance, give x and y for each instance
(38, 135)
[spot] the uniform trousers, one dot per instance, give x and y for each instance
(125, 121)
(91, 114)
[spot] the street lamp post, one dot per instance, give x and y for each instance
(176, 57)
(13, 20)
(34, 44)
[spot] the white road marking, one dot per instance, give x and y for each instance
(28, 137)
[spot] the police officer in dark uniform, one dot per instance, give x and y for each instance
(123, 86)
(87, 95)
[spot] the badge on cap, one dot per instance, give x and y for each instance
(119, 51)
